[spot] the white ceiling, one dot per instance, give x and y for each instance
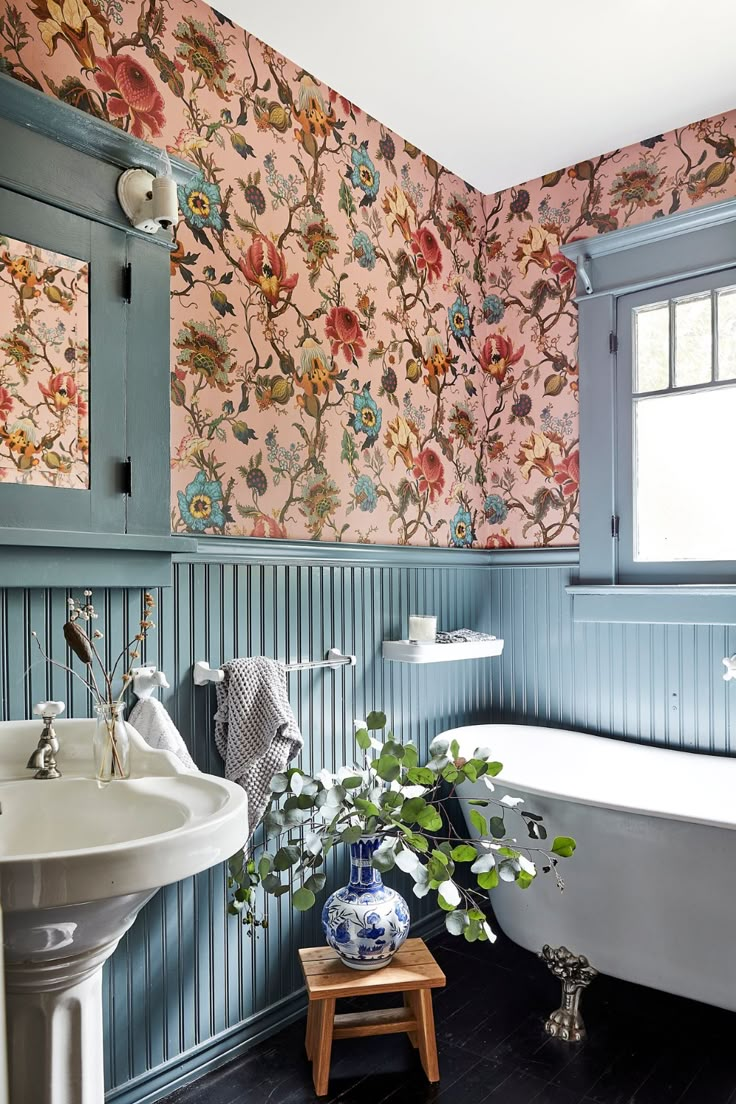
(502, 91)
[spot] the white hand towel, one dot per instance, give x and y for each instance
(255, 731)
(159, 731)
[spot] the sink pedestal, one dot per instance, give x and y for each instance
(53, 981)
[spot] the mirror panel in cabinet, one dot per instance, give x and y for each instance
(44, 367)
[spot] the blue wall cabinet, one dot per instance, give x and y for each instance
(85, 493)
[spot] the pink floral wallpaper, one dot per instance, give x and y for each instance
(44, 439)
(364, 347)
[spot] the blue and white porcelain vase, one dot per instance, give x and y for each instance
(365, 921)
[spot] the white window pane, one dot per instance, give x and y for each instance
(653, 348)
(692, 341)
(727, 334)
(683, 506)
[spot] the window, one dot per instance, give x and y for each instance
(676, 418)
(657, 352)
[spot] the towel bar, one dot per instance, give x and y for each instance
(202, 673)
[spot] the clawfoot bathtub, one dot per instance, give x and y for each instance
(650, 894)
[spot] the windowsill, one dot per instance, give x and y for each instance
(655, 604)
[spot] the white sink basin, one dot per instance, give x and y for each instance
(77, 862)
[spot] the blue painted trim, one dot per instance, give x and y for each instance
(47, 115)
(654, 605)
(124, 542)
(656, 230)
(654, 253)
(261, 550)
(224, 1048)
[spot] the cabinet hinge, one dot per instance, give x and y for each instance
(126, 473)
(613, 343)
(614, 526)
(127, 282)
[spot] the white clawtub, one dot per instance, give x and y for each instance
(650, 894)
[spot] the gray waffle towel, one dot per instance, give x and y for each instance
(255, 730)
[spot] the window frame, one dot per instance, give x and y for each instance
(660, 254)
(628, 568)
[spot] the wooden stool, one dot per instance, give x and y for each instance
(412, 972)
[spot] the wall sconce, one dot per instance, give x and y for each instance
(149, 202)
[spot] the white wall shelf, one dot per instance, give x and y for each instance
(403, 651)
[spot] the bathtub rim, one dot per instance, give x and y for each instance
(662, 812)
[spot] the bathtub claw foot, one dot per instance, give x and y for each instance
(576, 974)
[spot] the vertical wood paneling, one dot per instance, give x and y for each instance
(186, 973)
(659, 684)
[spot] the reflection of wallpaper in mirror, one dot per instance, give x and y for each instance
(44, 370)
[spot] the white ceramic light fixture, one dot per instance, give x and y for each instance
(150, 202)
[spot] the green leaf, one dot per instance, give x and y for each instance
(393, 747)
(478, 821)
(497, 826)
(478, 801)
(391, 799)
(376, 721)
(494, 769)
(303, 899)
(564, 846)
(421, 776)
(417, 841)
(316, 882)
(363, 739)
(270, 883)
(524, 879)
(411, 756)
(367, 808)
(430, 819)
(412, 808)
(464, 852)
(450, 773)
(351, 835)
(347, 203)
(352, 782)
(488, 879)
(349, 448)
(264, 865)
(286, 857)
(387, 767)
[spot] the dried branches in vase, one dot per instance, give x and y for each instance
(111, 745)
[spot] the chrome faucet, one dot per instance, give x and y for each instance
(43, 759)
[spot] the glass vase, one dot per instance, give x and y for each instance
(111, 745)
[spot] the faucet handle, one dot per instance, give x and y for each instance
(48, 708)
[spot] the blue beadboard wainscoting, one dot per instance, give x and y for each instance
(187, 988)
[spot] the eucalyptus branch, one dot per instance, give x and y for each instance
(390, 798)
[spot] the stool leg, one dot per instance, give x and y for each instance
(322, 1045)
(427, 1038)
(309, 1036)
(410, 1005)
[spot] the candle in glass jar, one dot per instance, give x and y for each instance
(422, 629)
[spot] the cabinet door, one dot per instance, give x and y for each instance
(62, 369)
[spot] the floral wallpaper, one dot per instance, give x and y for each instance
(44, 438)
(364, 348)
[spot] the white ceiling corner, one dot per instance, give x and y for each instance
(503, 92)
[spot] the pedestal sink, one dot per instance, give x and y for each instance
(77, 862)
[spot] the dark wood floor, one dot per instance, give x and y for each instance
(643, 1047)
